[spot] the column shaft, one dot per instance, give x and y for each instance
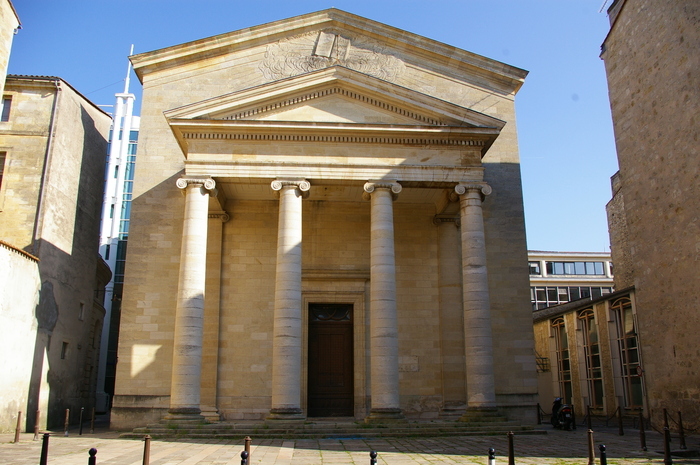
(451, 316)
(384, 338)
(287, 335)
(189, 316)
(478, 346)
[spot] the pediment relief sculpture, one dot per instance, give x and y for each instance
(318, 50)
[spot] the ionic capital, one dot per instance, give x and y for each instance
(442, 219)
(481, 187)
(302, 185)
(393, 186)
(207, 183)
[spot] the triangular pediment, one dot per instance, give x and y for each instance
(334, 95)
(318, 40)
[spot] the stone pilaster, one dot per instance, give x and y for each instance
(287, 333)
(384, 337)
(451, 316)
(478, 347)
(189, 314)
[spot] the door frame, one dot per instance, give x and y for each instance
(353, 292)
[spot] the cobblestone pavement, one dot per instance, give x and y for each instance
(555, 448)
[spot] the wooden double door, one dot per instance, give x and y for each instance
(330, 360)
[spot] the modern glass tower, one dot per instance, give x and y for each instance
(116, 209)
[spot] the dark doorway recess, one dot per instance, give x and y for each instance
(330, 384)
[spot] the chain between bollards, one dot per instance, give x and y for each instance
(667, 446)
(244, 458)
(603, 455)
(591, 448)
(146, 449)
(93, 459)
(492, 454)
(19, 425)
(511, 451)
(642, 433)
(372, 458)
(44, 450)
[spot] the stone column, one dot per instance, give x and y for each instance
(384, 334)
(451, 316)
(189, 314)
(478, 347)
(286, 348)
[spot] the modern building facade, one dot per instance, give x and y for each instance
(327, 220)
(53, 146)
(560, 277)
(114, 231)
(653, 69)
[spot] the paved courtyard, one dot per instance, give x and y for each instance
(556, 448)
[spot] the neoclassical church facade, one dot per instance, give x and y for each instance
(327, 221)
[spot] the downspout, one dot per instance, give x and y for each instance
(39, 220)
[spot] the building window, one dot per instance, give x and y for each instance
(591, 350)
(3, 156)
(64, 350)
(563, 362)
(535, 268)
(81, 311)
(543, 297)
(628, 347)
(6, 106)
(576, 268)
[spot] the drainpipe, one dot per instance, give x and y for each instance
(39, 220)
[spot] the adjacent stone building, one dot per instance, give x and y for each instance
(327, 220)
(52, 159)
(653, 68)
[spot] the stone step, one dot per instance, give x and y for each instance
(334, 430)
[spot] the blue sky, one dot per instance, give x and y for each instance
(565, 133)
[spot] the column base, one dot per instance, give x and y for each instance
(480, 414)
(184, 414)
(385, 415)
(277, 415)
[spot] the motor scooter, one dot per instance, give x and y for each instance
(562, 415)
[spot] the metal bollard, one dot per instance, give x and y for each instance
(681, 432)
(620, 431)
(244, 458)
(19, 425)
(92, 421)
(667, 447)
(36, 425)
(511, 451)
(603, 455)
(665, 418)
(589, 419)
(65, 423)
(573, 417)
(591, 448)
(93, 459)
(642, 433)
(80, 430)
(539, 414)
(247, 446)
(44, 450)
(492, 454)
(372, 458)
(146, 449)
